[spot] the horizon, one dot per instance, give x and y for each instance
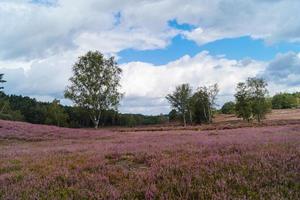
(200, 43)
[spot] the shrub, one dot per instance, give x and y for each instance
(228, 108)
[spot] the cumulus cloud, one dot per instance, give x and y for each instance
(145, 85)
(41, 39)
(34, 29)
(283, 72)
(148, 83)
(44, 79)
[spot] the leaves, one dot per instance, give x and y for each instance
(95, 84)
(180, 99)
(251, 99)
(199, 105)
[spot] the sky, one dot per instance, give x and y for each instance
(158, 44)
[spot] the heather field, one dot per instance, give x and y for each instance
(46, 162)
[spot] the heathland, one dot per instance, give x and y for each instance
(229, 159)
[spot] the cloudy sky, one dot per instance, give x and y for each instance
(158, 43)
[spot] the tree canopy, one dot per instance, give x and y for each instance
(251, 99)
(95, 84)
(228, 108)
(203, 103)
(180, 100)
(284, 101)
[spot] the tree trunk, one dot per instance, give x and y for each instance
(191, 118)
(96, 122)
(96, 119)
(258, 118)
(209, 115)
(184, 120)
(204, 110)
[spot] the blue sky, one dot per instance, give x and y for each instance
(158, 45)
(233, 48)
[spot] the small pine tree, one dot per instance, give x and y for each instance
(1, 80)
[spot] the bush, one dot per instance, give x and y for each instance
(5, 116)
(228, 108)
(284, 101)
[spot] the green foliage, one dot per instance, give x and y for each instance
(228, 108)
(198, 107)
(6, 113)
(180, 100)
(243, 102)
(251, 100)
(94, 85)
(56, 114)
(258, 92)
(132, 120)
(173, 115)
(1, 80)
(284, 101)
(21, 108)
(201, 106)
(203, 103)
(32, 110)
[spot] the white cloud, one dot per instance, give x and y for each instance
(283, 72)
(40, 42)
(145, 85)
(31, 30)
(42, 78)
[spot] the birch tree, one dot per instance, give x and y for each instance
(180, 100)
(95, 84)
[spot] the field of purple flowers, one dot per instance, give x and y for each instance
(45, 162)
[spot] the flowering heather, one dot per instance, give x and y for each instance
(46, 162)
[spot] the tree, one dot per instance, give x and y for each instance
(6, 112)
(180, 100)
(212, 91)
(243, 103)
(94, 85)
(173, 115)
(200, 104)
(204, 102)
(56, 114)
(284, 101)
(1, 80)
(251, 100)
(228, 108)
(258, 93)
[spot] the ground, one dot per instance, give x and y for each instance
(228, 160)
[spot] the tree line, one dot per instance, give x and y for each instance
(22, 108)
(252, 102)
(94, 90)
(278, 101)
